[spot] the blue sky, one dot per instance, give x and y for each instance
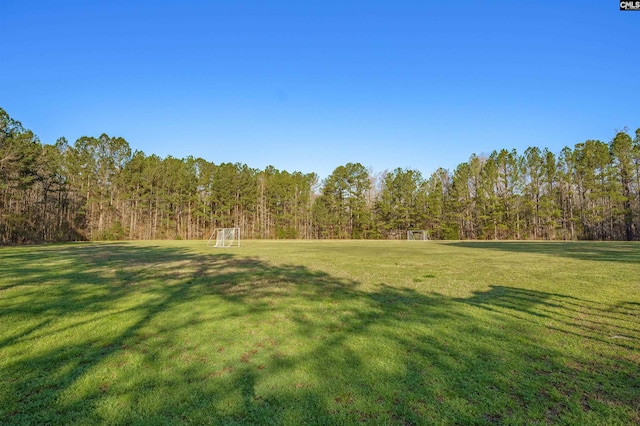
(311, 85)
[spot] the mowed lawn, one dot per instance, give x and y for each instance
(320, 332)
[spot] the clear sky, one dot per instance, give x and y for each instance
(309, 85)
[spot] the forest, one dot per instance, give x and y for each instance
(99, 189)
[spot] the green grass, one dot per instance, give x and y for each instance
(320, 333)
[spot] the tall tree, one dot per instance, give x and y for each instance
(462, 200)
(534, 171)
(549, 204)
(397, 207)
(19, 151)
(622, 150)
(440, 221)
(98, 163)
(593, 170)
(342, 211)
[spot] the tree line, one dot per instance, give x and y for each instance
(99, 189)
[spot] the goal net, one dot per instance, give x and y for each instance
(417, 235)
(224, 237)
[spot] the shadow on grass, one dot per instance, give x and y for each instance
(127, 334)
(626, 252)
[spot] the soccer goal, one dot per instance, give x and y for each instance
(224, 237)
(417, 235)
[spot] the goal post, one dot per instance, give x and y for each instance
(224, 237)
(417, 235)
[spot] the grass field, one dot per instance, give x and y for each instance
(321, 332)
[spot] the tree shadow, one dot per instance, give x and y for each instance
(609, 324)
(128, 334)
(626, 252)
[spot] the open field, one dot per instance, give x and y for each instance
(321, 332)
